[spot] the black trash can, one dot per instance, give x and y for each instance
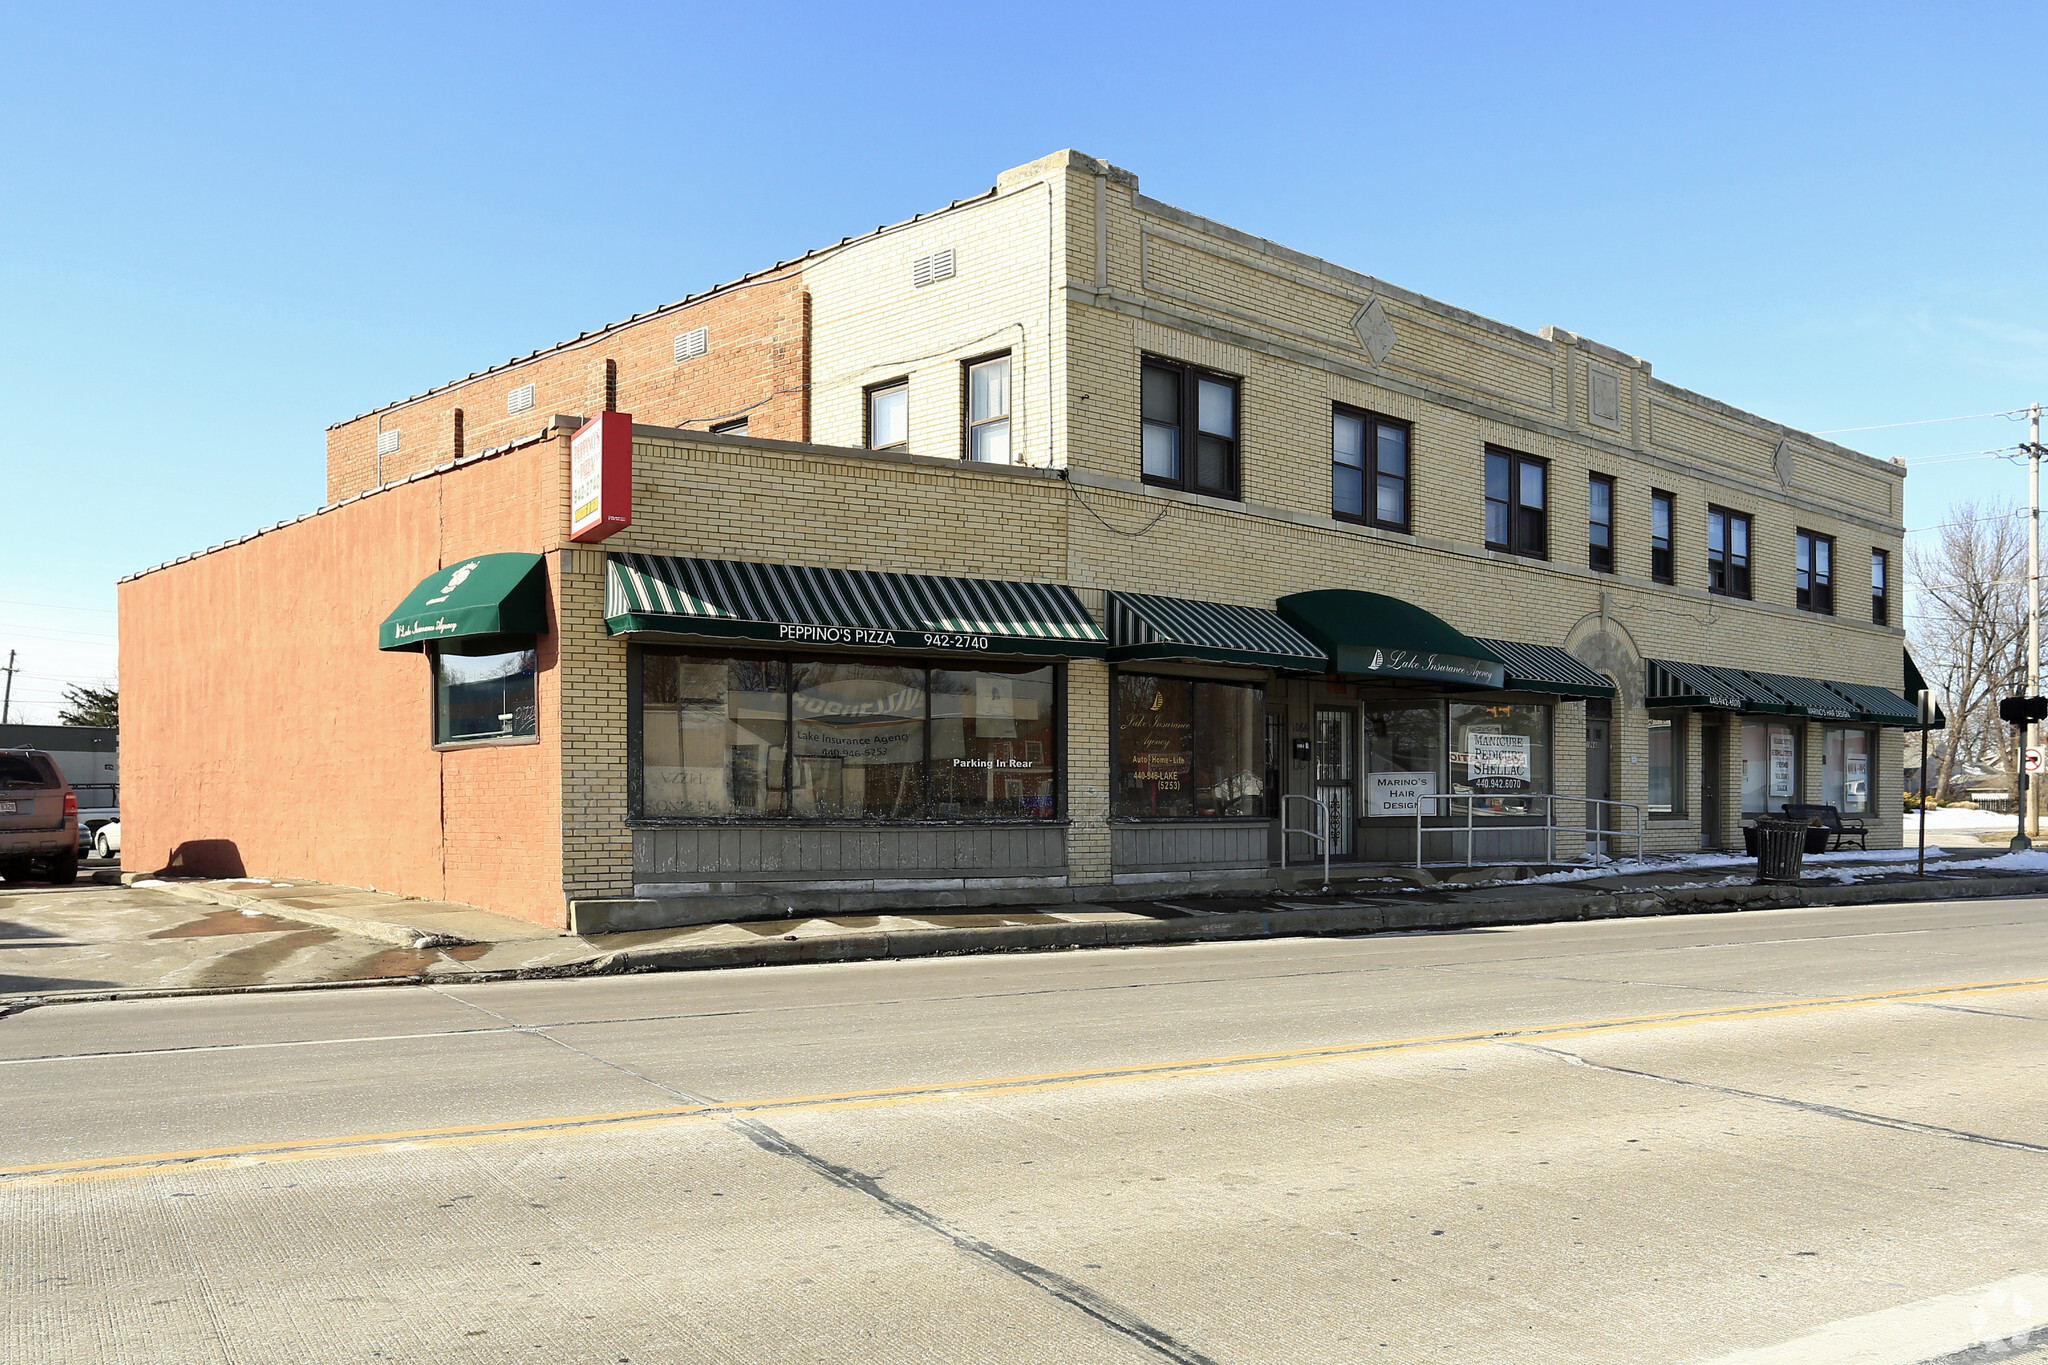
(1780, 849)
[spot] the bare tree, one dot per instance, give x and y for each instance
(1970, 632)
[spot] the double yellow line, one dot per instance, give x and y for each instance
(300, 1149)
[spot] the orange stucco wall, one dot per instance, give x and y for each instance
(264, 732)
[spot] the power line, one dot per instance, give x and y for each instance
(1924, 422)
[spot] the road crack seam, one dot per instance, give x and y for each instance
(1070, 1292)
(1786, 1102)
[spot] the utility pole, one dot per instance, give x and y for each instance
(7, 698)
(2033, 731)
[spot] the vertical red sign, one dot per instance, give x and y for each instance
(601, 477)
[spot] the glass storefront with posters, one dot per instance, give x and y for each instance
(1187, 747)
(1770, 766)
(1500, 753)
(1845, 769)
(1404, 757)
(747, 736)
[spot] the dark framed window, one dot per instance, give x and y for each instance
(1187, 748)
(736, 427)
(484, 698)
(1880, 588)
(1661, 566)
(1369, 467)
(823, 737)
(1600, 522)
(986, 408)
(1517, 503)
(1815, 573)
(888, 415)
(1727, 552)
(1191, 422)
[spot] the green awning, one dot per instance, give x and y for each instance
(791, 604)
(501, 594)
(1367, 633)
(1805, 696)
(1142, 626)
(1673, 683)
(1915, 685)
(1878, 705)
(1546, 668)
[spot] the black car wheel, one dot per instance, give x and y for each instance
(64, 870)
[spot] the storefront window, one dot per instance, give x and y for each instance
(1667, 759)
(1404, 758)
(1770, 766)
(753, 736)
(1500, 752)
(1845, 770)
(857, 740)
(483, 696)
(1187, 748)
(992, 744)
(713, 734)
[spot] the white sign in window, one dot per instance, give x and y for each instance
(1397, 793)
(1783, 757)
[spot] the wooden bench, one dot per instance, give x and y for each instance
(1840, 831)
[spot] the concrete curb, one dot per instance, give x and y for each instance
(914, 943)
(377, 931)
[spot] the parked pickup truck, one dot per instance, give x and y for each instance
(38, 818)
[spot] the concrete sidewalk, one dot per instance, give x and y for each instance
(155, 936)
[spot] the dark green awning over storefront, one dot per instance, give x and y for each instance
(1878, 705)
(1142, 626)
(501, 594)
(1673, 683)
(1805, 696)
(1915, 685)
(1546, 668)
(1370, 634)
(792, 604)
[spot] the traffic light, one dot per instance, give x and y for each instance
(2022, 710)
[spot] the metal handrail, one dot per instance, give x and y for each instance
(1322, 838)
(1550, 827)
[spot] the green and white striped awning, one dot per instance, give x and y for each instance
(793, 604)
(1673, 683)
(1546, 668)
(1142, 626)
(1805, 696)
(1878, 705)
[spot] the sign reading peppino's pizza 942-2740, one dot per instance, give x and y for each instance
(601, 477)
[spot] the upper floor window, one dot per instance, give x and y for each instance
(1600, 522)
(1369, 468)
(1816, 573)
(1727, 552)
(1191, 427)
(1661, 567)
(889, 415)
(1880, 586)
(1516, 501)
(988, 409)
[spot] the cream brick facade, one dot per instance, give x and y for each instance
(1071, 270)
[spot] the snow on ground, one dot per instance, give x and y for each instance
(1689, 862)
(1944, 818)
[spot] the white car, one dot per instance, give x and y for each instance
(106, 840)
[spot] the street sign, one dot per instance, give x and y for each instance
(2034, 759)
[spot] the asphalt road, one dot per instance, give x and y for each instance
(1791, 1136)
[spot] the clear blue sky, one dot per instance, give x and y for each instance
(228, 226)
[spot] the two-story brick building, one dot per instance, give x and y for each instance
(1036, 548)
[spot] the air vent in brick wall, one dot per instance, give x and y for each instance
(387, 443)
(519, 400)
(690, 345)
(931, 269)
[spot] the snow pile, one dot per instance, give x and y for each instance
(2033, 860)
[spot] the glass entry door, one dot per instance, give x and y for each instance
(1336, 774)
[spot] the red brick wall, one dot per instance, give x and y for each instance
(264, 728)
(759, 354)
